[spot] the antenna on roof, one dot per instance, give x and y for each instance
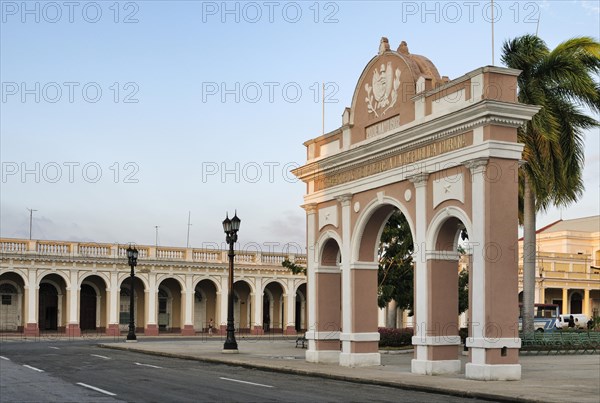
(187, 244)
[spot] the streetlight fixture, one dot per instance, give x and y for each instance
(132, 255)
(231, 228)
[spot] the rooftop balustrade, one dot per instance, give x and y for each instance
(11, 246)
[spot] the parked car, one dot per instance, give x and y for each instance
(580, 320)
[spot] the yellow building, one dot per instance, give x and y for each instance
(567, 266)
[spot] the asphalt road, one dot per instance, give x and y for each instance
(79, 371)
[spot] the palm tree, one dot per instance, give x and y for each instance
(561, 81)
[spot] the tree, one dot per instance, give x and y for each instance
(294, 268)
(396, 273)
(561, 81)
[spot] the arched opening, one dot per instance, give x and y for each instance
(395, 275)
(273, 308)
(331, 256)
(87, 307)
(300, 309)
(169, 306)
(242, 306)
(48, 307)
(52, 303)
(138, 305)
(11, 302)
(93, 304)
(205, 305)
(443, 274)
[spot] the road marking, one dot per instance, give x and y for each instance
(100, 356)
(148, 365)
(246, 382)
(34, 368)
(56, 348)
(4, 358)
(106, 392)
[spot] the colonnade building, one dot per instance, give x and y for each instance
(76, 287)
(567, 265)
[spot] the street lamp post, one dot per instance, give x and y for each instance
(132, 255)
(231, 228)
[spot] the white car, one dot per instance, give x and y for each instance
(580, 319)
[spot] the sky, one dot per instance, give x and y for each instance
(119, 120)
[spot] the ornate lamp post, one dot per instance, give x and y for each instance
(231, 228)
(132, 255)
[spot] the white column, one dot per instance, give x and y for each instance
(311, 265)
(32, 292)
(478, 323)
(115, 295)
(421, 317)
(347, 295)
(258, 303)
(73, 302)
(290, 300)
(189, 301)
(223, 299)
(151, 294)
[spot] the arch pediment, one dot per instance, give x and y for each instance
(382, 98)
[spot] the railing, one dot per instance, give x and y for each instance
(13, 246)
(94, 250)
(206, 256)
(119, 251)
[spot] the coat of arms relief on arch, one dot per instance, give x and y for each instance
(382, 94)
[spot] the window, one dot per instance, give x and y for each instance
(6, 299)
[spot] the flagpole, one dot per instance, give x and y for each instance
(493, 58)
(323, 109)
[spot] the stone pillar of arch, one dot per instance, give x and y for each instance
(113, 293)
(290, 304)
(323, 287)
(437, 338)
(188, 307)
(151, 307)
(72, 328)
(222, 298)
(494, 343)
(360, 345)
(257, 303)
(31, 290)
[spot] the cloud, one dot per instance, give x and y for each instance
(289, 227)
(592, 7)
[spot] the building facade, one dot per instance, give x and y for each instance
(73, 287)
(567, 265)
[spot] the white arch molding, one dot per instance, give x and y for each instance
(365, 216)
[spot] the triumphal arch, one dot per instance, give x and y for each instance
(445, 153)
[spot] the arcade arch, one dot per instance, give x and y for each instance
(93, 304)
(205, 305)
(242, 305)
(139, 302)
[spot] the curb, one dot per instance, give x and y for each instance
(318, 374)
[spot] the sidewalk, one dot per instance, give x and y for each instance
(554, 378)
